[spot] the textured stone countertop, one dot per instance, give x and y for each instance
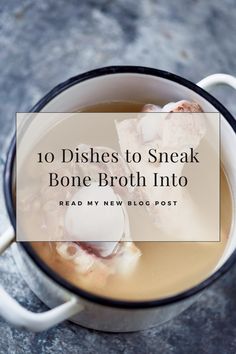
(43, 43)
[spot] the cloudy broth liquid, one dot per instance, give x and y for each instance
(165, 268)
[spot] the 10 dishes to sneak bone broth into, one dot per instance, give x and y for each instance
(127, 270)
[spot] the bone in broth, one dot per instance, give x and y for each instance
(160, 269)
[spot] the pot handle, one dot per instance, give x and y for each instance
(217, 79)
(17, 315)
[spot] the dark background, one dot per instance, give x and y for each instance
(43, 43)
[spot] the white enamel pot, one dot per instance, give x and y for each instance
(65, 300)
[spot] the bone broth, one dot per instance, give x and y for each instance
(156, 269)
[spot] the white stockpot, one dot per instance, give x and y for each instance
(119, 83)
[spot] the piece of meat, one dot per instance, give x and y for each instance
(173, 131)
(181, 106)
(168, 132)
(95, 270)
